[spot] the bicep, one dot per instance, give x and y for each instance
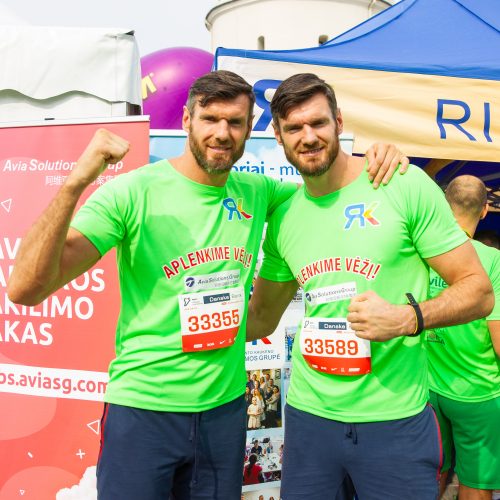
(494, 328)
(79, 255)
(457, 264)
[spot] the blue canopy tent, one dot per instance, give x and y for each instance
(424, 74)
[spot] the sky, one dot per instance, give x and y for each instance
(158, 24)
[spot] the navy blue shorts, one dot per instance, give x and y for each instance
(397, 459)
(153, 455)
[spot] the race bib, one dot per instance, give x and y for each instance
(211, 320)
(330, 346)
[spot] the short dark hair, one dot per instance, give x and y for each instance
(467, 194)
(298, 89)
(218, 85)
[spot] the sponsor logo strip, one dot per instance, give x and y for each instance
(204, 342)
(331, 293)
(222, 279)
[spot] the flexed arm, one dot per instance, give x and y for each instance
(52, 254)
(469, 296)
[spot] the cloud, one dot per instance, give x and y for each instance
(85, 490)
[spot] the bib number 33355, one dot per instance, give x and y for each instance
(211, 320)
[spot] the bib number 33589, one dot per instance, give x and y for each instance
(211, 320)
(330, 346)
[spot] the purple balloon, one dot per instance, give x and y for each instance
(166, 77)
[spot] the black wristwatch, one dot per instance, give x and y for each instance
(419, 319)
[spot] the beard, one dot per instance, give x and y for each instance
(221, 163)
(317, 167)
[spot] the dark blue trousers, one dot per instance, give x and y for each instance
(397, 459)
(153, 455)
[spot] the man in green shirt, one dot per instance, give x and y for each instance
(187, 233)
(358, 390)
(464, 365)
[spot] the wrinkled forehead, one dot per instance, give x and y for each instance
(239, 104)
(313, 108)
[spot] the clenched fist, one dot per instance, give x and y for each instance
(105, 148)
(373, 318)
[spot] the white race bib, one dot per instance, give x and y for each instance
(330, 346)
(211, 319)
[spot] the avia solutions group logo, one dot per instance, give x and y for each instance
(361, 213)
(235, 207)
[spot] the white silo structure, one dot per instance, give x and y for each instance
(285, 24)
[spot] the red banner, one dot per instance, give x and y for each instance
(54, 356)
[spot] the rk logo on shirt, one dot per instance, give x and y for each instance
(234, 207)
(361, 213)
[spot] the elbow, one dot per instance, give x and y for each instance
(486, 296)
(24, 299)
(263, 330)
(488, 304)
(479, 296)
(17, 297)
(488, 300)
(22, 295)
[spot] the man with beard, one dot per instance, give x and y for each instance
(174, 419)
(358, 390)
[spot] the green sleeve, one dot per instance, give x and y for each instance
(278, 192)
(432, 226)
(100, 220)
(494, 274)
(274, 268)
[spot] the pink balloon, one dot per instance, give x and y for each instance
(166, 77)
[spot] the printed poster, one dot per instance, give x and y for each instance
(54, 356)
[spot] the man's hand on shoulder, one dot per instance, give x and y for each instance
(383, 160)
(373, 318)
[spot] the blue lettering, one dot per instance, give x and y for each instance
(353, 212)
(487, 119)
(255, 169)
(441, 121)
(259, 89)
(231, 206)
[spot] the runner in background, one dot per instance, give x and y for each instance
(464, 365)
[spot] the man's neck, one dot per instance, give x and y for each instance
(467, 224)
(344, 170)
(187, 166)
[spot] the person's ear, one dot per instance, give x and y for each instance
(340, 122)
(186, 119)
(484, 212)
(277, 134)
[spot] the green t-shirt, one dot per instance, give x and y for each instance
(462, 362)
(175, 237)
(370, 240)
